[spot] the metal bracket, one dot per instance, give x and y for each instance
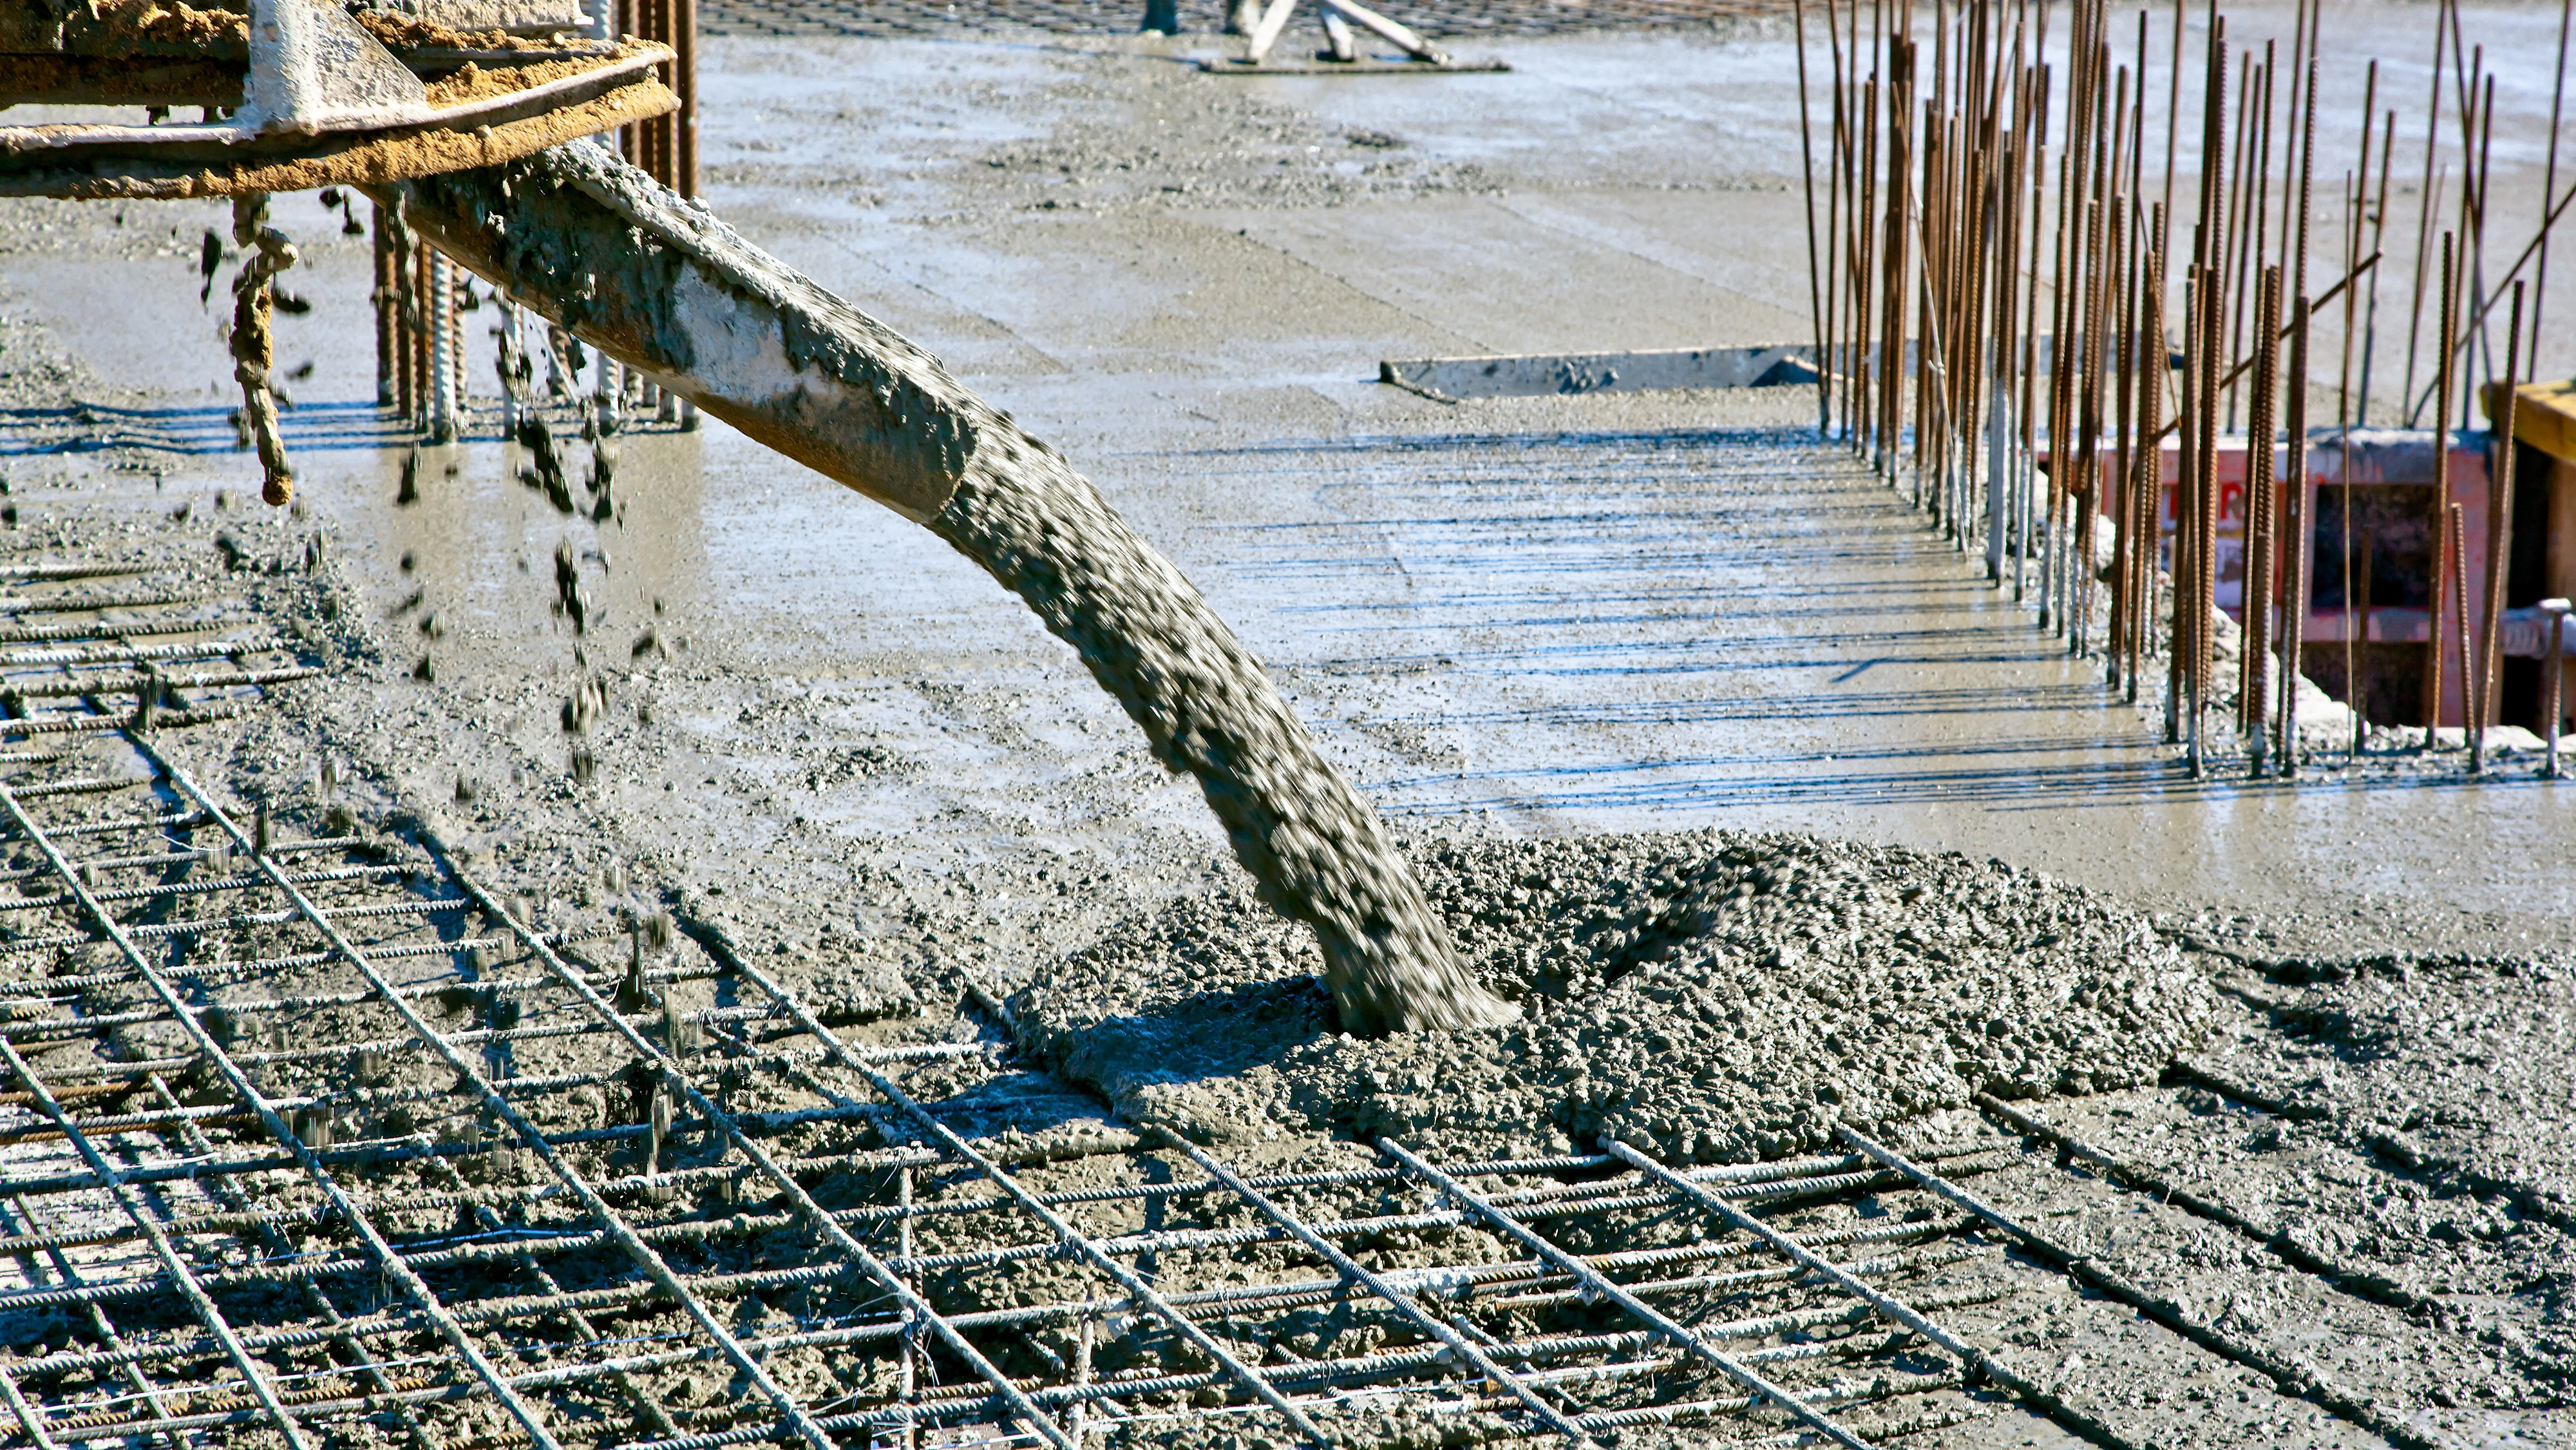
(313, 69)
(321, 98)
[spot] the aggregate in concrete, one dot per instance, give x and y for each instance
(829, 737)
(1718, 996)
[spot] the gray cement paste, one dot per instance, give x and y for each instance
(1720, 996)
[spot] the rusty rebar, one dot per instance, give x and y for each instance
(2499, 539)
(2444, 559)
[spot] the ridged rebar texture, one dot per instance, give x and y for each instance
(312, 1138)
(309, 1137)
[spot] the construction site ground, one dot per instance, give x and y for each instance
(841, 749)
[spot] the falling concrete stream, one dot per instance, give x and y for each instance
(659, 284)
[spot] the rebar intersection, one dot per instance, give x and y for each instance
(318, 1136)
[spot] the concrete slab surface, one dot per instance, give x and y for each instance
(1525, 616)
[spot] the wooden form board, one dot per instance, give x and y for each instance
(2544, 417)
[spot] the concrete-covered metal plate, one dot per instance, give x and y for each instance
(1532, 375)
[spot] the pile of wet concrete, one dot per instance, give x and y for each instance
(1720, 996)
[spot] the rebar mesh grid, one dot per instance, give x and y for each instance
(310, 1136)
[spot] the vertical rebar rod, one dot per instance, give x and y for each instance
(684, 76)
(2301, 531)
(2442, 590)
(2186, 568)
(2499, 538)
(2554, 612)
(1913, 201)
(387, 388)
(2173, 136)
(656, 24)
(2346, 419)
(2356, 200)
(2299, 539)
(2262, 511)
(2196, 606)
(2026, 482)
(2424, 240)
(1865, 279)
(406, 305)
(2475, 269)
(460, 288)
(1858, 294)
(2002, 354)
(2117, 493)
(2110, 132)
(1828, 329)
(2210, 510)
(1853, 307)
(1893, 265)
(2030, 162)
(424, 334)
(2257, 250)
(2549, 185)
(2356, 607)
(2301, 194)
(2148, 465)
(622, 21)
(1944, 247)
(442, 355)
(2076, 173)
(2087, 471)
(1986, 340)
(1815, 263)
(2378, 241)
(2459, 571)
(2227, 252)
(1985, 226)
(2294, 144)
(2052, 602)
(2129, 364)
